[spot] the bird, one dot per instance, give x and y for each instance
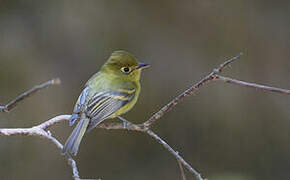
(108, 94)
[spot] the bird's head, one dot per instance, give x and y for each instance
(124, 65)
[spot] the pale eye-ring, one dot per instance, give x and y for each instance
(125, 69)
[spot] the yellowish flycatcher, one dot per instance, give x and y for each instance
(109, 93)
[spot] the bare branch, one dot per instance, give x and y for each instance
(143, 128)
(189, 91)
(21, 97)
(174, 153)
(52, 121)
(252, 85)
(40, 130)
(226, 63)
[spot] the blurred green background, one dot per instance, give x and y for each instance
(224, 131)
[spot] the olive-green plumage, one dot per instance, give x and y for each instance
(109, 93)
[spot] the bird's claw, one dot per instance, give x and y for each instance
(125, 124)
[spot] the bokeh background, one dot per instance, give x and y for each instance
(224, 131)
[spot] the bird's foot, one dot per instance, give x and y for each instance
(125, 122)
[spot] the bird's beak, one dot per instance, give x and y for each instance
(142, 66)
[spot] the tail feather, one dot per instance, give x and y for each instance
(73, 142)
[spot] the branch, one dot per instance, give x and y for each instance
(40, 130)
(174, 153)
(143, 128)
(189, 91)
(26, 94)
(252, 85)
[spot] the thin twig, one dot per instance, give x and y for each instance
(174, 153)
(189, 91)
(181, 170)
(21, 97)
(252, 85)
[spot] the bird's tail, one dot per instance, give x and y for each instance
(73, 142)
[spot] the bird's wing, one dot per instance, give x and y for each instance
(103, 104)
(80, 105)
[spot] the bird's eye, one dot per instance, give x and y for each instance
(125, 69)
